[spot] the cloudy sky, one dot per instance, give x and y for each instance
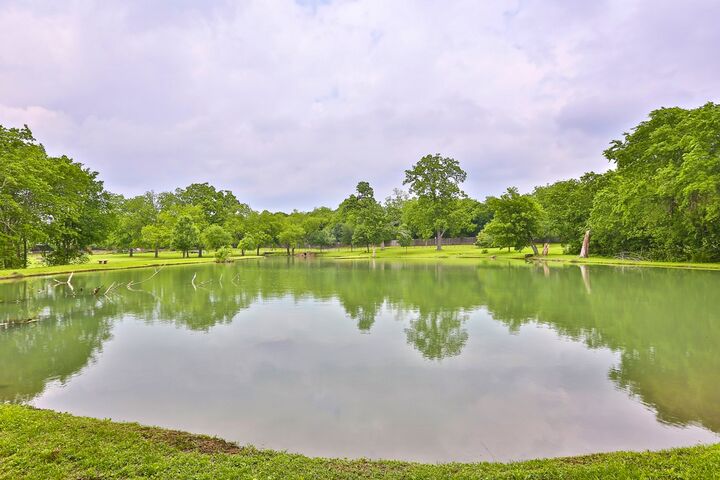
(289, 103)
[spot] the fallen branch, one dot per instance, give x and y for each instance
(133, 283)
(23, 321)
(67, 282)
(113, 286)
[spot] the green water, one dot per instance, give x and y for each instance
(416, 361)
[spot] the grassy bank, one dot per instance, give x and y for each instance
(472, 252)
(42, 444)
(114, 261)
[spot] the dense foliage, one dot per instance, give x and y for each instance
(662, 201)
(44, 201)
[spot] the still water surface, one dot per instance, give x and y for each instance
(415, 361)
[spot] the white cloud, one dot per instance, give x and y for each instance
(290, 104)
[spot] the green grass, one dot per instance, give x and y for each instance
(115, 261)
(472, 252)
(449, 252)
(42, 444)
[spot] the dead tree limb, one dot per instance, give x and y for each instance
(68, 282)
(585, 250)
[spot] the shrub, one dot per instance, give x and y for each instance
(223, 254)
(483, 240)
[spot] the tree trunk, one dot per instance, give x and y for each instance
(585, 250)
(258, 251)
(534, 249)
(373, 251)
(438, 240)
(382, 245)
(293, 251)
(199, 252)
(287, 247)
(156, 252)
(242, 252)
(24, 252)
(131, 251)
(546, 249)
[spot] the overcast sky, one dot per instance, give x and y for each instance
(290, 103)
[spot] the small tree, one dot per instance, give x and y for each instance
(404, 237)
(291, 236)
(156, 236)
(185, 235)
(322, 238)
(215, 237)
(261, 239)
(248, 242)
(517, 221)
(368, 216)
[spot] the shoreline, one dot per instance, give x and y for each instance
(428, 253)
(39, 443)
(62, 270)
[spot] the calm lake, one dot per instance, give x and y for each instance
(415, 361)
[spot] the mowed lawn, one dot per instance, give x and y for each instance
(46, 445)
(114, 261)
(448, 252)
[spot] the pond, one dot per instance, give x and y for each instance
(405, 360)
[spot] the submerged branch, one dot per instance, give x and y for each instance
(68, 282)
(133, 283)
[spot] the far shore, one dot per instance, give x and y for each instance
(463, 253)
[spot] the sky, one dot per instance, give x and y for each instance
(289, 103)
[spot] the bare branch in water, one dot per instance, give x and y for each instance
(133, 283)
(68, 282)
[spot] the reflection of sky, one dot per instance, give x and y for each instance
(299, 376)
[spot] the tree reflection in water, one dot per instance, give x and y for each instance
(665, 324)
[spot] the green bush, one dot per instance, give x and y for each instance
(483, 240)
(223, 254)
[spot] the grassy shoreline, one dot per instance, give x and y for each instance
(114, 262)
(471, 252)
(43, 444)
(450, 252)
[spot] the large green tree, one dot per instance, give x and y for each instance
(54, 201)
(27, 194)
(663, 200)
(435, 180)
(81, 215)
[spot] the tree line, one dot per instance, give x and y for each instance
(660, 201)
